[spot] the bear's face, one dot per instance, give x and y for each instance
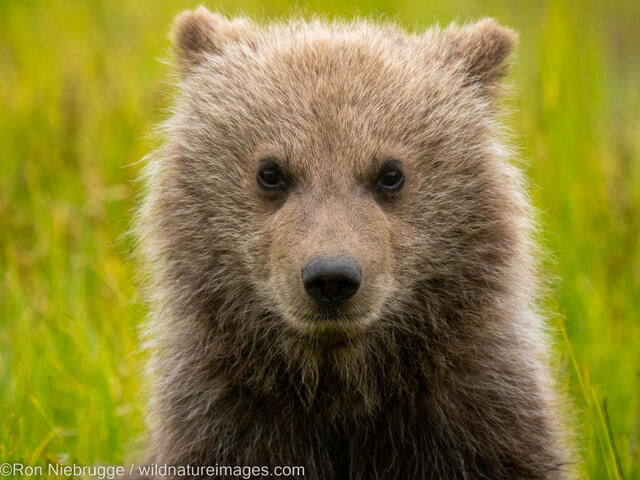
(334, 170)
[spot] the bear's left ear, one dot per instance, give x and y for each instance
(198, 33)
(481, 49)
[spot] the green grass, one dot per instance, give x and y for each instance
(81, 85)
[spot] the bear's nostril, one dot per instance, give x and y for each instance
(331, 279)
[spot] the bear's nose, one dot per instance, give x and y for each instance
(331, 279)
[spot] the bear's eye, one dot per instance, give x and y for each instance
(390, 178)
(270, 177)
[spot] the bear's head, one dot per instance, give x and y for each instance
(331, 176)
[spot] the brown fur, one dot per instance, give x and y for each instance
(437, 367)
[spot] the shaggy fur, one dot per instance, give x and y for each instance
(437, 367)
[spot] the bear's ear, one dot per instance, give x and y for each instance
(197, 33)
(481, 49)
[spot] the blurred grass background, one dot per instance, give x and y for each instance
(82, 83)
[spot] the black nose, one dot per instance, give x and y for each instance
(331, 279)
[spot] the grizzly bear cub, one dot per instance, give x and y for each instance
(340, 258)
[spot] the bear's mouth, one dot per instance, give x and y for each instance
(331, 323)
(331, 312)
(330, 335)
(331, 315)
(343, 317)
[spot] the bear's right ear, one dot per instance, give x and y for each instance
(198, 33)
